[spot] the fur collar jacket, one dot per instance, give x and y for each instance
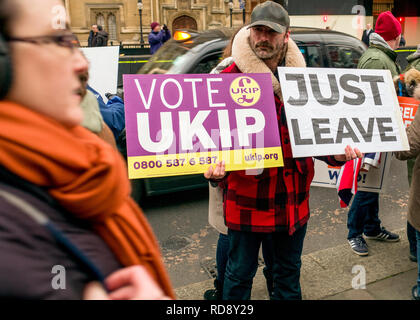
(247, 61)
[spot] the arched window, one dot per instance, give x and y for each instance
(100, 20)
(184, 22)
(112, 27)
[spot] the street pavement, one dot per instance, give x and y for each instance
(329, 274)
(188, 245)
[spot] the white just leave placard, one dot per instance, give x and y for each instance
(327, 109)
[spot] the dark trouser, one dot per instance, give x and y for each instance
(418, 262)
(363, 215)
(411, 232)
(243, 262)
(222, 259)
(411, 235)
(267, 252)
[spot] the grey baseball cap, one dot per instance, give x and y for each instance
(272, 15)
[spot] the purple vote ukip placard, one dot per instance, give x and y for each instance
(182, 124)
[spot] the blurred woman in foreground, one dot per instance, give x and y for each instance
(68, 228)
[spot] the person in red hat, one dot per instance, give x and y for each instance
(363, 216)
(158, 36)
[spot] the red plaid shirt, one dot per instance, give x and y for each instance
(278, 198)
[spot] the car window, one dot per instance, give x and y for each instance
(208, 63)
(312, 55)
(342, 57)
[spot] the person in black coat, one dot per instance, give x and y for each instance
(402, 41)
(93, 36)
(102, 37)
(366, 34)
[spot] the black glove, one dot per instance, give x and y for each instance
(119, 94)
(165, 27)
(109, 96)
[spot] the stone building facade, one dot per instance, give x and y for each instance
(121, 18)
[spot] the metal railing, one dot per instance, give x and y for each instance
(130, 49)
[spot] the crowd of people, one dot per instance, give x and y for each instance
(64, 192)
(158, 35)
(368, 31)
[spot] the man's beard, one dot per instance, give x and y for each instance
(83, 78)
(270, 52)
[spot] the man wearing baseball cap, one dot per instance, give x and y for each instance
(270, 204)
(363, 214)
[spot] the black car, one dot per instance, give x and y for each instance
(199, 52)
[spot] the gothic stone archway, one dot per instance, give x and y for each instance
(184, 22)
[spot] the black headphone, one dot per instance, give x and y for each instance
(5, 68)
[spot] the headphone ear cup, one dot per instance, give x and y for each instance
(5, 68)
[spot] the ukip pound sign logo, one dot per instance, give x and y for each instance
(245, 91)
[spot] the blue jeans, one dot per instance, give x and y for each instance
(363, 215)
(418, 262)
(222, 259)
(243, 262)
